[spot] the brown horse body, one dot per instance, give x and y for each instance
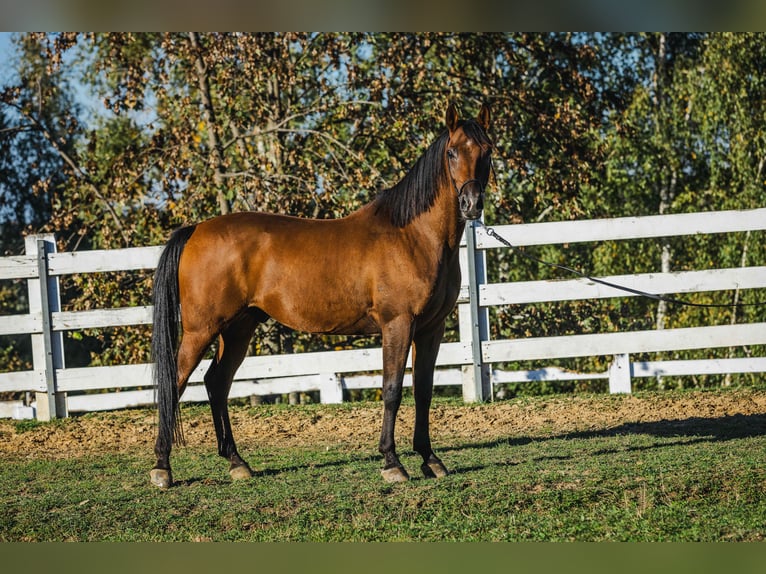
(389, 268)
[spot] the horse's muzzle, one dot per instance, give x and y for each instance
(471, 199)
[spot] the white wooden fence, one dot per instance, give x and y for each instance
(59, 390)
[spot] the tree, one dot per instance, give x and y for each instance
(194, 125)
(35, 129)
(690, 140)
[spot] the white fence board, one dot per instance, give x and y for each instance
(546, 374)
(622, 228)
(442, 377)
(521, 292)
(9, 408)
(601, 344)
(22, 381)
(102, 260)
(75, 320)
(27, 324)
(193, 394)
(699, 367)
(108, 377)
(18, 267)
(672, 368)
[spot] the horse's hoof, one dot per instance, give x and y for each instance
(434, 469)
(240, 472)
(395, 474)
(161, 477)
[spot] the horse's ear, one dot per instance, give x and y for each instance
(484, 117)
(451, 118)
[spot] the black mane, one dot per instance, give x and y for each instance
(416, 192)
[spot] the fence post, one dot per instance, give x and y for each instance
(476, 379)
(48, 346)
(620, 372)
(330, 389)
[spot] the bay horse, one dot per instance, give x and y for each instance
(389, 268)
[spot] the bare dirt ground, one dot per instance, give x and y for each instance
(357, 425)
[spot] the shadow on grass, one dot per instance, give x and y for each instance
(259, 473)
(694, 430)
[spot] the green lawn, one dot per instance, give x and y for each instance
(702, 481)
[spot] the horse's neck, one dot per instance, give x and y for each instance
(443, 221)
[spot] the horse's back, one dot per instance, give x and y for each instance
(309, 274)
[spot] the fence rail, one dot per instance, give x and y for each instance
(467, 363)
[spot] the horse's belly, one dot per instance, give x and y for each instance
(319, 314)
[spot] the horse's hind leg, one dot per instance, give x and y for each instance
(232, 348)
(193, 347)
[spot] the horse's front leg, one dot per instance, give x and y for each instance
(397, 338)
(425, 348)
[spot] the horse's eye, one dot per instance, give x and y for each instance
(451, 153)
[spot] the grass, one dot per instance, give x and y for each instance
(703, 481)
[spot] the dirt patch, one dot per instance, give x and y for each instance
(358, 426)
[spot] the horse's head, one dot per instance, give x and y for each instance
(468, 153)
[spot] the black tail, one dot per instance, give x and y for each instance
(165, 339)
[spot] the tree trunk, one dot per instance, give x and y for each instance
(666, 188)
(667, 193)
(208, 112)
